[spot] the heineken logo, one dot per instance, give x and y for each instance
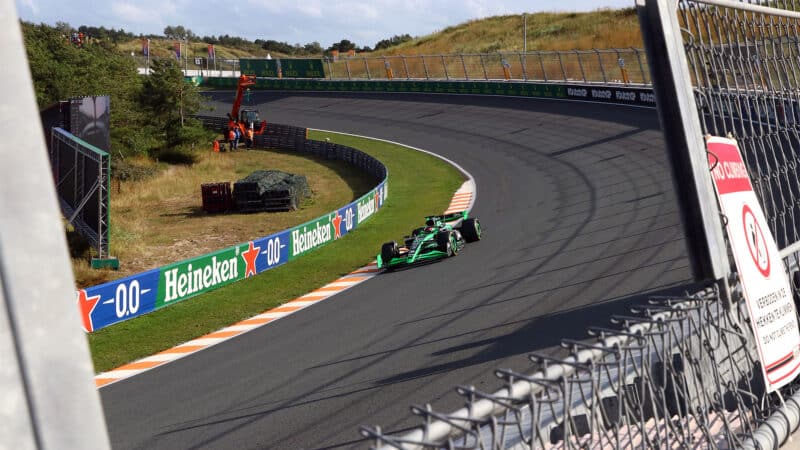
(336, 221)
(307, 238)
(249, 257)
(367, 208)
(87, 304)
(180, 283)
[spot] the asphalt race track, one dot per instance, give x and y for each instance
(579, 214)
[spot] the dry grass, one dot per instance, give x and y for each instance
(604, 28)
(160, 220)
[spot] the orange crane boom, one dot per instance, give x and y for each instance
(234, 119)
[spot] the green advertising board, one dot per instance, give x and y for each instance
(310, 235)
(433, 87)
(302, 68)
(289, 68)
(267, 68)
(195, 276)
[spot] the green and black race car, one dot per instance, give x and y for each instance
(441, 237)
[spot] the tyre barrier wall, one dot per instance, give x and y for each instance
(136, 295)
(637, 96)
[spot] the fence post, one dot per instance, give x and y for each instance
(366, 66)
(330, 68)
(686, 151)
(464, 64)
(641, 66)
(405, 66)
(522, 62)
(602, 69)
(483, 64)
(541, 63)
(444, 66)
(347, 66)
(425, 66)
(561, 63)
(580, 64)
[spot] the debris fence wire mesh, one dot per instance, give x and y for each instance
(602, 66)
(606, 66)
(678, 372)
(746, 71)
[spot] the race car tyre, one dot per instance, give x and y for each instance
(454, 244)
(389, 250)
(471, 230)
(444, 241)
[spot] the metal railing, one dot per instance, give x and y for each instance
(622, 66)
(678, 372)
(602, 66)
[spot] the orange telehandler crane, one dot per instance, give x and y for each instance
(245, 118)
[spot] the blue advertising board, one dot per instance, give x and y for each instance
(118, 300)
(273, 250)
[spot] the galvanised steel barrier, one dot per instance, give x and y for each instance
(600, 66)
(678, 372)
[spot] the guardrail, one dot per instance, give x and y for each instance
(136, 295)
(596, 66)
(621, 66)
(679, 372)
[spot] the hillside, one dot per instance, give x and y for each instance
(604, 28)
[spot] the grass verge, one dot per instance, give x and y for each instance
(419, 184)
(170, 202)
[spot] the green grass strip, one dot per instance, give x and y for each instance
(419, 185)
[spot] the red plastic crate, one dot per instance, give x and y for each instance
(216, 197)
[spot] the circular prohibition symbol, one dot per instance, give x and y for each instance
(756, 243)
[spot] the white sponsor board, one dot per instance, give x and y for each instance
(764, 282)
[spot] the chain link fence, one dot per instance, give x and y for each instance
(676, 372)
(745, 68)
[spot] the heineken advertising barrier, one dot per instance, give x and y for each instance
(430, 87)
(126, 298)
(612, 94)
(599, 93)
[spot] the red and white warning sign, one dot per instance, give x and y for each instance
(764, 282)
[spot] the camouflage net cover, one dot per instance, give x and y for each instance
(270, 190)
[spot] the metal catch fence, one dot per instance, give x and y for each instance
(607, 66)
(678, 372)
(745, 68)
(602, 66)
